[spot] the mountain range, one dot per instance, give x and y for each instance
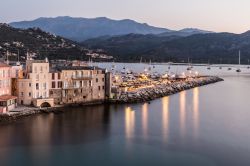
(125, 40)
(80, 29)
(199, 48)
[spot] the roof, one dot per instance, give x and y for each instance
(4, 65)
(7, 97)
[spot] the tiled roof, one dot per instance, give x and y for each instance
(7, 97)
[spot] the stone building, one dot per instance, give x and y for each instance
(79, 84)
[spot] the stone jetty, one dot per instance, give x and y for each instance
(163, 89)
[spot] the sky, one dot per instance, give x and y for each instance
(214, 15)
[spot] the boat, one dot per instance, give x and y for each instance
(239, 70)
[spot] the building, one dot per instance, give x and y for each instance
(78, 84)
(7, 101)
(33, 88)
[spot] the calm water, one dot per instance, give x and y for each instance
(204, 126)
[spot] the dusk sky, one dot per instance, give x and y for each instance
(214, 15)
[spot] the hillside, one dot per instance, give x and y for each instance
(201, 48)
(80, 29)
(39, 44)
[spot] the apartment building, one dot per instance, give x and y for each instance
(7, 101)
(33, 88)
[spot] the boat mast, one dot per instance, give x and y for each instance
(239, 57)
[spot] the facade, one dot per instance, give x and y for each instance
(7, 101)
(33, 88)
(78, 84)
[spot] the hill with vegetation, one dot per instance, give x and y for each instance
(38, 44)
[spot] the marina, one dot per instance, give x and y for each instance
(180, 129)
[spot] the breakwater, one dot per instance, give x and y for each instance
(164, 89)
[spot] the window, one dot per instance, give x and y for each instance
(59, 84)
(103, 87)
(96, 79)
(99, 88)
(53, 84)
(29, 84)
(29, 94)
(53, 76)
(37, 86)
(102, 79)
(44, 86)
(59, 76)
(41, 69)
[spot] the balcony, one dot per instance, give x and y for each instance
(82, 77)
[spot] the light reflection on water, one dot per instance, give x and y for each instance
(183, 113)
(145, 120)
(196, 111)
(165, 118)
(129, 123)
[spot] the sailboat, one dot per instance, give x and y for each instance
(150, 63)
(220, 64)
(189, 66)
(238, 70)
(141, 60)
(208, 66)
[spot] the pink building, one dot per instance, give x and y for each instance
(7, 101)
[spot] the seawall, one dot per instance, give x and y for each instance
(164, 89)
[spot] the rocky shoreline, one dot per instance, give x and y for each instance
(164, 89)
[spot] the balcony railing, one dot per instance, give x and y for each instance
(76, 87)
(82, 77)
